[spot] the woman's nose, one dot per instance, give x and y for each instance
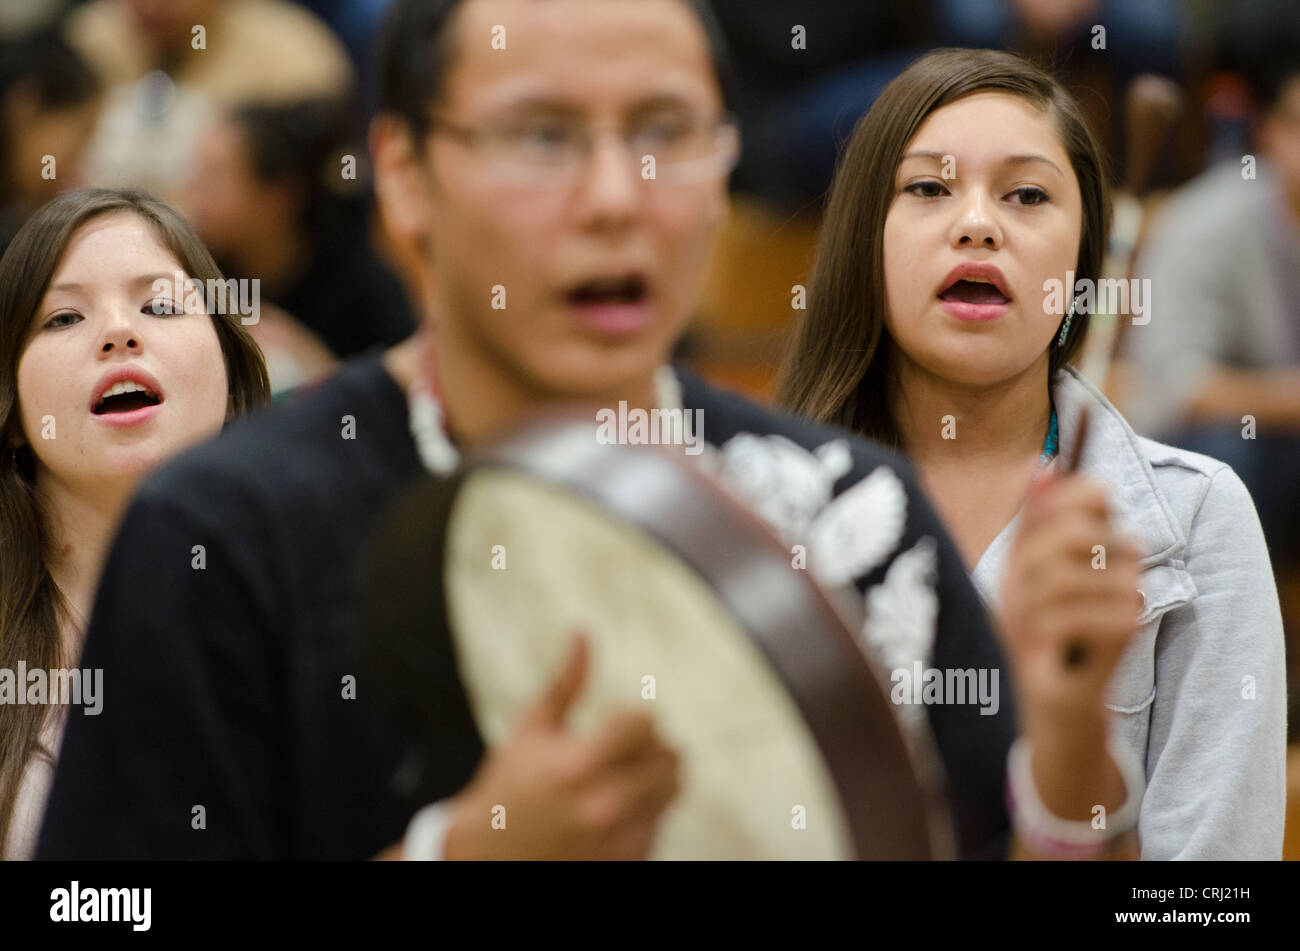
(120, 334)
(976, 227)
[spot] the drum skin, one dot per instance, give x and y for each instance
(753, 782)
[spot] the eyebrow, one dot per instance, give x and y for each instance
(138, 280)
(658, 102)
(1009, 160)
(546, 104)
(536, 104)
(1022, 159)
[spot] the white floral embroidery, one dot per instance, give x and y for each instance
(902, 610)
(901, 613)
(783, 483)
(792, 489)
(846, 538)
(859, 529)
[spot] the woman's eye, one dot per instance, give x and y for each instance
(65, 319)
(927, 189)
(1029, 195)
(161, 308)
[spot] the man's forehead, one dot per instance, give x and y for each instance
(583, 53)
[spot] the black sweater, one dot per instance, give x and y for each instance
(224, 685)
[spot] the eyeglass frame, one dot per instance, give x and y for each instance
(724, 160)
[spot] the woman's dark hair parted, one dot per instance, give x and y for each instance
(839, 367)
(31, 605)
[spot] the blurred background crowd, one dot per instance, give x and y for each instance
(250, 116)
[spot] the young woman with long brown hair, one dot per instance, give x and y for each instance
(961, 249)
(108, 366)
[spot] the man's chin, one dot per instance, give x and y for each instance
(593, 374)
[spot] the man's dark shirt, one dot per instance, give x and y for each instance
(228, 622)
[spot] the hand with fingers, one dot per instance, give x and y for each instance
(1069, 610)
(566, 797)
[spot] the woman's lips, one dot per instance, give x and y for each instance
(968, 299)
(130, 373)
(963, 310)
(126, 420)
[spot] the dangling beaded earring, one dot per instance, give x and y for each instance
(1065, 325)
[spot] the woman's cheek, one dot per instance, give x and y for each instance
(36, 401)
(205, 378)
(901, 297)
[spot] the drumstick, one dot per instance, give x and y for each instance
(1076, 451)
(1076, 652)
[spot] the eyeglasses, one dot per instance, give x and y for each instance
(555, 151)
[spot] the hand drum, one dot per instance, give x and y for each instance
(694, 614)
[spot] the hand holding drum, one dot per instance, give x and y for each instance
(570, 798)
(718, 707)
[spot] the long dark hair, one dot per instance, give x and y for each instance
(838, 369)
(31, 605)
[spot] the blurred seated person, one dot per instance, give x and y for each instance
(48, 98)
(1141, 37)
(806, 72)
(268, 199)
(172, 66)
(1218, 366)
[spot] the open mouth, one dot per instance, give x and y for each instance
(125, 397)
(630, 289)
(612, 306)
(974, 291)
